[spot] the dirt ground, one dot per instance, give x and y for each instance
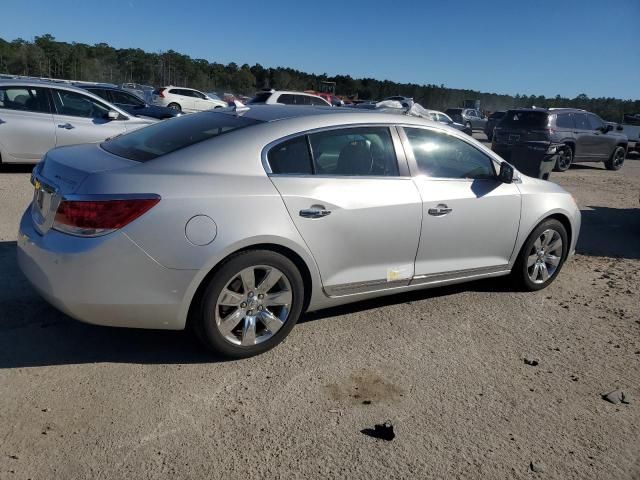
(444, 366)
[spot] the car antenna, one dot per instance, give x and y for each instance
(239, 108)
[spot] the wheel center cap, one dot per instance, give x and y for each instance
(252, 303)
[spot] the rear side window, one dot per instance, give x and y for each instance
(28, 99)
(565, 120)
(581, 121)
(171, 135)
(525, 119)
(444, 156)
(291, 157)
(354, 151)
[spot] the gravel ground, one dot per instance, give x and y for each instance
(445, 366)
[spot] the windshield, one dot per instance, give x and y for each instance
(525, 119)
(171, 135)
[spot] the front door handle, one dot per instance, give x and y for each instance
(2, 121)
(440, 210)
(316, 211)
(66, 126)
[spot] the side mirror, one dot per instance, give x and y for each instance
(608, 128)
(506, 173)
(619, 128)
(113, 115)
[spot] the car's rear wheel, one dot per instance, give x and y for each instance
(175, 106)
(251, 304)
(542, 255)
(616, 160)
(564, 159)
(489, 136)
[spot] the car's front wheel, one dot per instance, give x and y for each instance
(616, 160)
(251, 304)
(468, 125)
(542, 255)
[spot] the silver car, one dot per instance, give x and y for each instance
(37, 116)
(237, 221)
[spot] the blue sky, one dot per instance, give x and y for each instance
(543, 47)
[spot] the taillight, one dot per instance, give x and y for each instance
(161, 93)
(92, 218)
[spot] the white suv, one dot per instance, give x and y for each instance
(273, 97)
(185, 99)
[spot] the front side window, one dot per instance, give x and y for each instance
(595, 122)
(445, 156)
(354, 151)
(78, 105)
(28, 99)
(582, 123)
(261, 97)
(125, 98)
(171, 135)
(318, 101)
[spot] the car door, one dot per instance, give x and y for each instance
(184, 99)
(601, 144)
(26, 124)
(353, 203)
(79, 118)
(470, 219)
(200, 101)
(583, 135)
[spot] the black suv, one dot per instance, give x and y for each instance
(586, 137)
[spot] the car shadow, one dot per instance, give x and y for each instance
(610, 232)
(16, 167)
(33, 333)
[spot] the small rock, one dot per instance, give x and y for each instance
(531, 361)
(13, 457)
(616, 397)
(45, 410)
(536, 467)
(383, 431)
(366, 402)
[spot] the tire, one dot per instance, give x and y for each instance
(254, 324)
(564, 160)
(545, 235)
(489, 136)
(616, 160)
(469, 126)
(175, 106)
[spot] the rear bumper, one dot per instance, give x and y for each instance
(104, 281)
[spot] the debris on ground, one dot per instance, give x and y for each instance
(383, 431)
(536, 467)
(531, 361)
(616, 397)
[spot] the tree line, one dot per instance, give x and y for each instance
(47, 57)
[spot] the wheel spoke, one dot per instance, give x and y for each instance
(270, 321)
(548, 235)
(248, 279)
(537, 244)
(249, 331)
(536, 272)
(230, 299)
(555, 245)
(532, 260)
(544, 272)
(278, 298)
(230, 322)
(552, 259)
(273, 276)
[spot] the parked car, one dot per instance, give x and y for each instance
(446, 119)
(37, 116)
(129, 102)
(469, 117)
(274, 97)
(237, 222)
(185, 100)
(492, 121)
(145, 92)
(586, 137)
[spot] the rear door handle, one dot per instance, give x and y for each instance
(314, 212)
(66, 126)
(440, 210)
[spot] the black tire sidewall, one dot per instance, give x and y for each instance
(568, 151)
(520, 267)
(206, 323)
(178, 109)
(610, 164)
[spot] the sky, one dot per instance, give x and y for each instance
(541, 47)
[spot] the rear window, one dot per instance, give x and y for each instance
(525, 119)
(260, 98)
(171, 135)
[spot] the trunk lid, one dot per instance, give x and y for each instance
(61, 172)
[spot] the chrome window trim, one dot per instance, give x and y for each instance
(401, 159)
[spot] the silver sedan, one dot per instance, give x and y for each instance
(235, 222)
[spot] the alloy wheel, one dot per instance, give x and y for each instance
(545, 256)
(618, 158)
(254, 305)
(564, 159)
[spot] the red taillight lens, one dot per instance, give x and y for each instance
(92, 218)
(161, 93)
